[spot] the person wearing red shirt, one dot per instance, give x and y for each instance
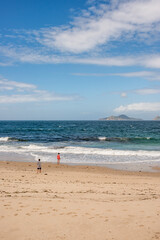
(58, 158)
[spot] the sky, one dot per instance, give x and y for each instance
(79, 60)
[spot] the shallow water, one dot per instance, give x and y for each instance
(82, 142)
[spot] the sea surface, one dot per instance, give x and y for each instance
(81, 142)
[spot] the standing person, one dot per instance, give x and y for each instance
(58, 158)
(39, 166)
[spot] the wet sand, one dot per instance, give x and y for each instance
(78, 202)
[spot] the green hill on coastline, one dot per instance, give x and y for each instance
(120, 118)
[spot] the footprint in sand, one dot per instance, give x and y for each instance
(71, 213)
(28, 214)
(9, 195)
(55, 210)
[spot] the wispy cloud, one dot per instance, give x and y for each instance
(142, 106)
(153, 76)
(147, 91)
(142, 91)
(29, 55)
(87, 38)
(5, 84)
(5, 64)
(40, 56)
(33, 97)
(100, 25)
(123, 94)
(30, 93)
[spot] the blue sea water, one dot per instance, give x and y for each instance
(82, 142)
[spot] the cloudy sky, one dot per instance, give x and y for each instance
(79, 60)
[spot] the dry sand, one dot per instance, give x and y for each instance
(77, 202)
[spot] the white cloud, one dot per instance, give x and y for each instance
(82, 40)
(144, 74)
(129, 74)
(29, 55)
(143, 91)
(152, 76)
(147, 91)
(103, 25)
(39, 56)
(33, 98)
(5, 64)
(152, 61)
(110, 61)
(31, 93)
(143, 106)
(123, 94)
(5, 84)
(134, 74)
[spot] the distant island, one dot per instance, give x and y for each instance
(120, 118)
(157, 118)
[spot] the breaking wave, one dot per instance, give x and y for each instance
(79, 151)
(85, 139)
(121, 139)
(9, 139)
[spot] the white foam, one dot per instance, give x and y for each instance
(81, 154)
(102, 138)
(4, 139)
(78, 150)
(109, 152)
(33, 147)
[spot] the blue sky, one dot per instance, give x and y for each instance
(79, 60)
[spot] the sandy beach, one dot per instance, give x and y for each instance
(78, 202)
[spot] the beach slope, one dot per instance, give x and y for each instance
(77, 202)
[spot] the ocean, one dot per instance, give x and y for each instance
(81, 142)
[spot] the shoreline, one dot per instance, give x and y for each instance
(131, 166)
(47, 166)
